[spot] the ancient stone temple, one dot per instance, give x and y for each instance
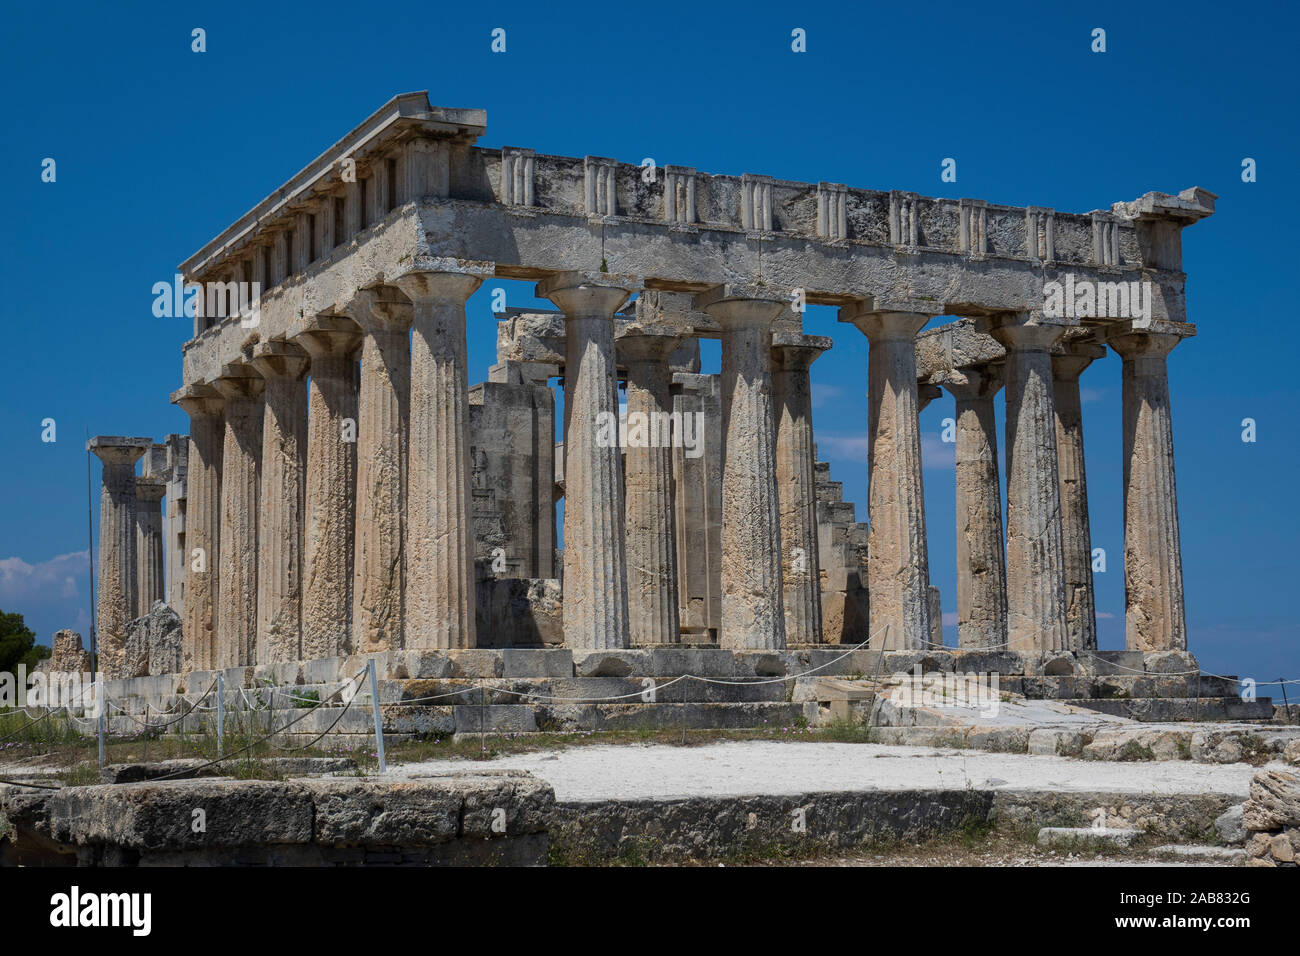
(346, 490)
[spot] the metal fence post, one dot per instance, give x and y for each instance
(379, 717)
(221, 709)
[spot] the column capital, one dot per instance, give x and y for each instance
(888, 320)
(118, 449)
(645, 346)
(792, 352)
(972, 382)
(329, 336)
(737, 306)
(199, 400)
(1028, 331)
(1073, 356)
(276, 360)
(1138, 338)
(148, 488)
(239, 380)
(383, 308)
(432, 278)
(588, 294)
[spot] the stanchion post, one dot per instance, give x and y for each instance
(221, 710)
(379, 718)
(102, 708)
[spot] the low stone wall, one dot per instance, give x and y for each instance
(493, 817)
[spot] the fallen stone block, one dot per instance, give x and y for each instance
(1088, 836)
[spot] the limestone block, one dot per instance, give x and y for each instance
(1274, 801)
(153, 643)
(67, 655)
(1230, 825)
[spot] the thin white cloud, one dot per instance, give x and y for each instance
(833, 448)
(58, 579)
(937, 453)
(822, 393)
(949, 618)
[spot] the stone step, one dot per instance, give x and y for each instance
(1161, 709)
(1217, 854)
(502, 718)
(1087, 836)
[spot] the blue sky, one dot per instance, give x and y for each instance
(159, 148)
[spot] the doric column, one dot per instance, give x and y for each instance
(149, 491)
(1035, 559)
(1153, 564)
(241, 459)
(330, 485)
(697, 488)
(383, 410)
(796, 489)
(595, 579)
(116, 605)
(440, 600)
(753, 606)
(176, 501)
(651, 535)
(202, 523)
(898, 566)
(981, 565)
(280, 524)
(1076, 538)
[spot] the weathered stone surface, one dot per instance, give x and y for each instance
(203, 404)
(898, 574)
(1076, 539)
(283, 367)
(1035, 560)
(595, 560)
(330, 491)
(1274, 801)
(1153, 568)
(67, 655)
(753, 605)
(153, 643)
(792, 357)
(116, 603)
(981, 563)
(650, 518)
(149, 491)
(241, 501)
(1230, 825)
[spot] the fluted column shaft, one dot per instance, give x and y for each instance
(330, 487)
(898, 564)
(382, 427)
(280, 524)
(116, 603)
(1076, 536)
(202, 524)
(796, 489)
(1035, 559)
(440, 600)
(981, 565)
(149, 493)
(651, 548)
(753, 603)
(241, 458)
(595, 565)
(1155, 617)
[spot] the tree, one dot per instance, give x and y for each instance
(18, 644)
